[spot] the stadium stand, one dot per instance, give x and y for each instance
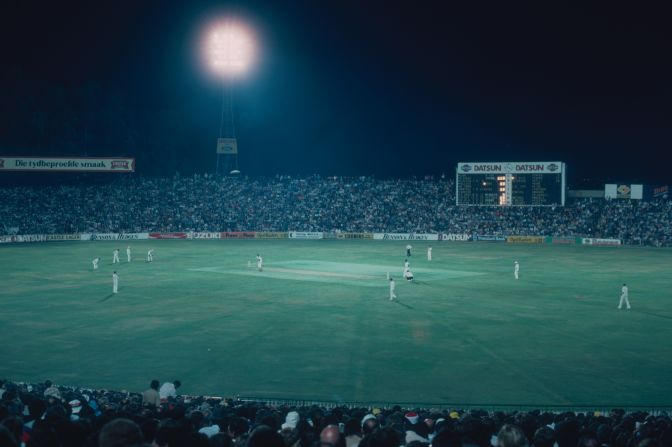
(281, 203)
(48, 415)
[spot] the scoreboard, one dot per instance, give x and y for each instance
(510, 183)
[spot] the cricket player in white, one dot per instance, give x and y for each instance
(95, 263)
(115, 282)
(406, 265)
(408, 249)
(150, 255)
(115, 256)
(392, 285)
(429, 254)
(516, 269)
(260, 263)
(624, 297)
(128, 253)
(408, 275)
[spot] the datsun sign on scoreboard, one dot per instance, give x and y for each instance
(526, 183)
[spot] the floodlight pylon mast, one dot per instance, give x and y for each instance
(227, 146)
(230, 52)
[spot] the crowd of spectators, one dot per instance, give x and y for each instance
(40, 415)
(282, 203)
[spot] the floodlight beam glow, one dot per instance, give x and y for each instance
(230, 49)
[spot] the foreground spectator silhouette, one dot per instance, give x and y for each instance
(169, 389)
(120, 433)
(511, 436)
(332, 437)
(265, 436)
(151, 395)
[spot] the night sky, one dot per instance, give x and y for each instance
(347, 87)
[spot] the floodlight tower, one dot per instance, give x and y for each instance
(229, 53)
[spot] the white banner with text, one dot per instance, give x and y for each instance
(81, 164)
(113, 236)
(306, 235)
(598, 241)
(405, 237)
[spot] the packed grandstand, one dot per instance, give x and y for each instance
(45, 414)
(333, 204)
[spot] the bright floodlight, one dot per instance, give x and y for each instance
(230, 49)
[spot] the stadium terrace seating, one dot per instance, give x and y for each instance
(281, 203)
(44, 414)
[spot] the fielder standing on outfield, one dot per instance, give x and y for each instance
(115, 256)
(624, 297)
(516, 269)
(260, 263)
(115, 282)
(150, 255)
(95, 263)
(392, 286)
(128, 253)
(429, 254)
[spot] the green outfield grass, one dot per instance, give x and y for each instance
(317, 323)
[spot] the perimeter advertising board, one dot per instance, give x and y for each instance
(238, 235)
(489, 238)
(64, 237)
(174, 235)
(77, 164)
(405, 237)
(306, 235)
(525, 239)
(354, 235)
(113, 236)
(454, 237)
(270, 235)
(26, 238)
(204, 235)
(599, 241)
(563, 240)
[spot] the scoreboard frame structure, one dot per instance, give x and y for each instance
(510, 183)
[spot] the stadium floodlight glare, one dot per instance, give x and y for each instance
(230, 49)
